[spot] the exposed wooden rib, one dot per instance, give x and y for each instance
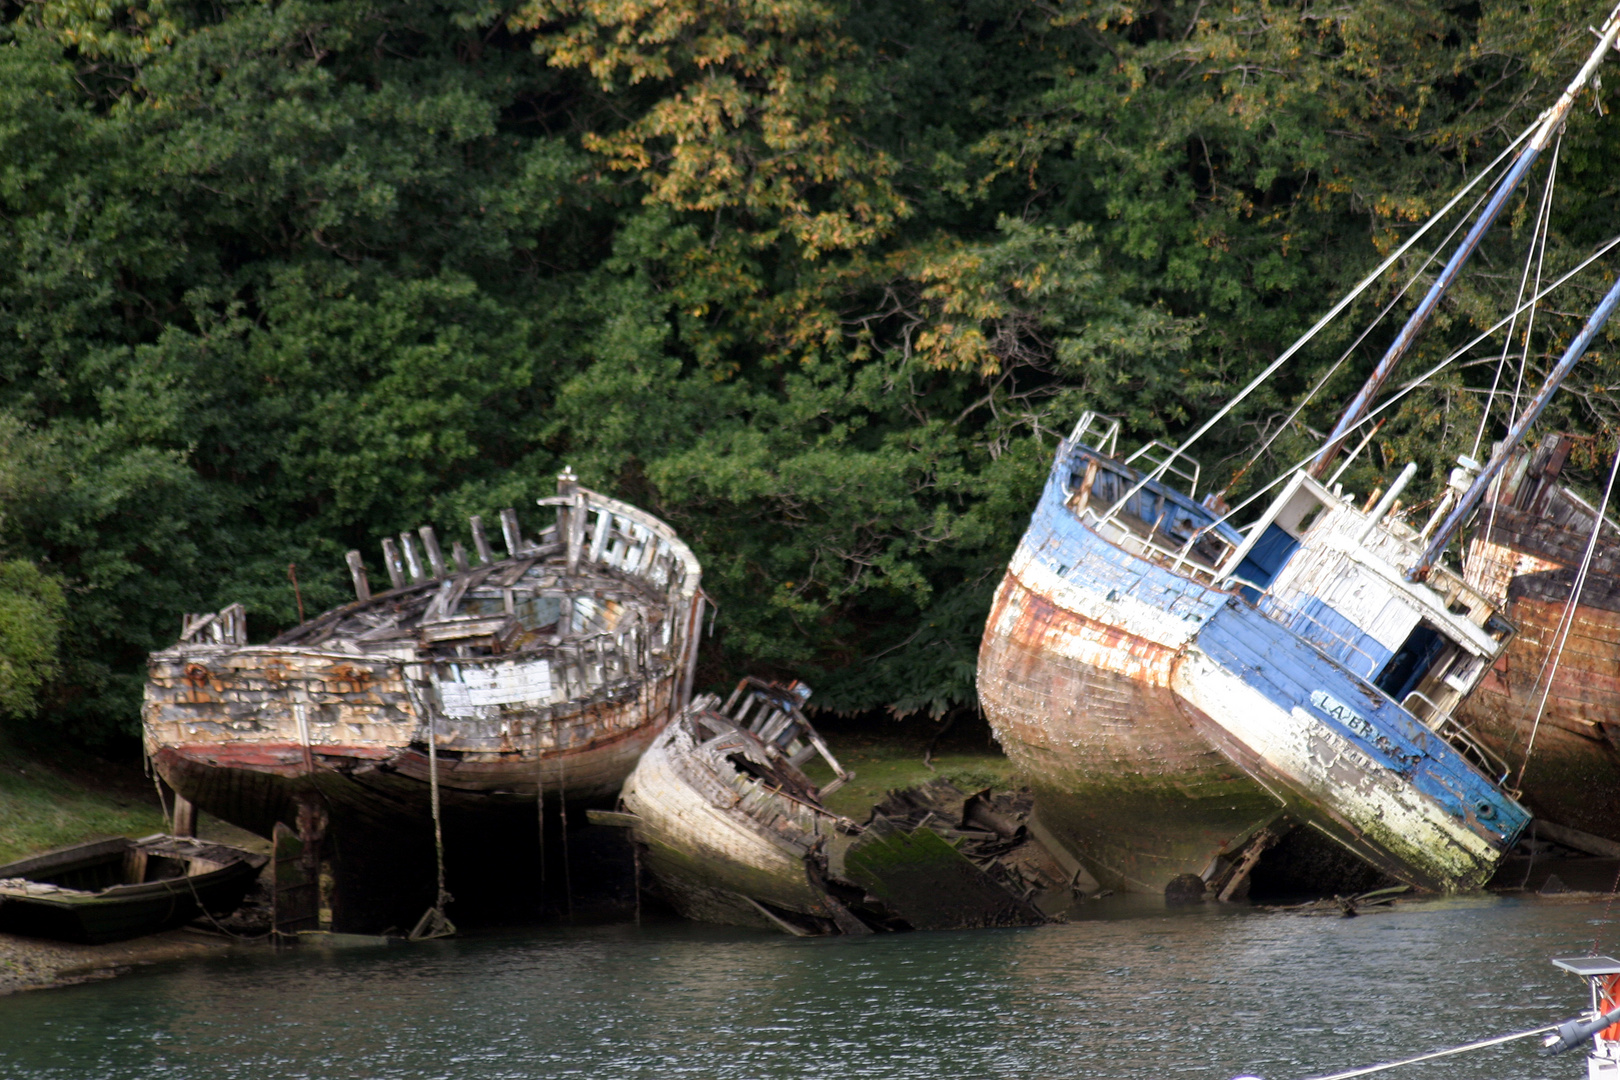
(396, 571)
(357, 574)
(509, 532)
(413, 563)
(430, 545)
(480, 543)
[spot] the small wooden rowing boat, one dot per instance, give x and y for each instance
(116, 888)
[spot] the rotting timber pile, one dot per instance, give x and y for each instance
(540, 677)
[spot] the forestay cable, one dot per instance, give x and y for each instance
(1332, 314)
(1543, 217)
(1602, 250)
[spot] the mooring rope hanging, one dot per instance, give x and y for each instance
(434, 923)
(540, 805)
(1567, 621)
(562, 818)
(163, 803)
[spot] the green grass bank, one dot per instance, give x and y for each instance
(49, 799)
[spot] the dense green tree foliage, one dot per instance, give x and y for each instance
(818, 282)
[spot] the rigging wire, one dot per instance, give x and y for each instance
(1565, 623)
(1543, 217)
(1530, 321)
(1337, 364)
(1332, 314)
(1602, 250)
(1524, 354)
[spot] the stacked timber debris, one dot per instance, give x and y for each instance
(987, 830)
(734, 832)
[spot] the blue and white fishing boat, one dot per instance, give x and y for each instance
(1183, 693)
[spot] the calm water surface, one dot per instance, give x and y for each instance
(1204, 993)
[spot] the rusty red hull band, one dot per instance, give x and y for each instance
(218, 730)
(256, 786)
(1165, 720)
(1121, 773)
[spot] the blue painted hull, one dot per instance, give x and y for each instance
(1164, 721)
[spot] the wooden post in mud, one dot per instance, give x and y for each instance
(295, 870)
(185, 816)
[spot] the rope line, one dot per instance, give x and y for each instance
(1543, 219)
(1332, 314)
(1432, 1055)
(1354, 345)
(1602, 250)
(540, 805)
(434, 923)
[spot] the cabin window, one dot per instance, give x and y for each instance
(1411, 662)
(1275, 537)
(1265, 558)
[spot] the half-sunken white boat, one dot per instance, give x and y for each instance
(734, 832)
(1183, 693)
(498, 681)
(733, 829)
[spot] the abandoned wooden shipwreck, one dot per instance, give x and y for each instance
(505, 683)
(1183, 693)
(734, 832)
(1550, 705)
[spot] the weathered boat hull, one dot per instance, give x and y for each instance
(1571, 774)
(97, 907)
(733, 832)
(538, 679)
(235, 748)
(1120, 771)
(712, 863)
(1169, 724)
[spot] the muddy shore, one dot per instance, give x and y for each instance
(35, 963)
